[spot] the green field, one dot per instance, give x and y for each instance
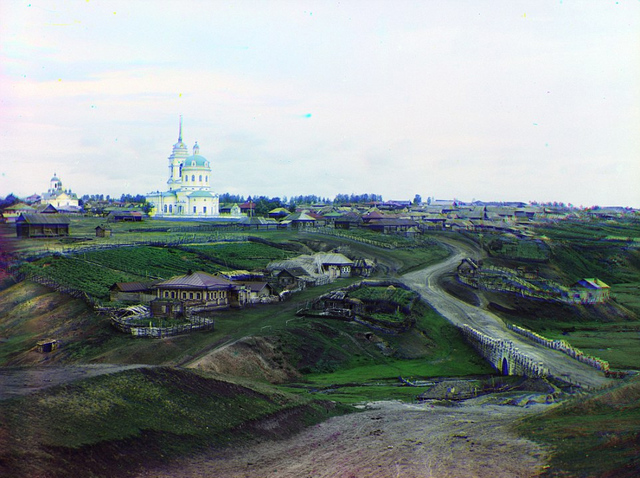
(242, 255)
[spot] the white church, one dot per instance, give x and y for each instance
(189, 195)
(61, 199)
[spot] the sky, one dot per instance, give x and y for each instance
(472, 100)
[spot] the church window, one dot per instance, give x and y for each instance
(173, 295)
(193, 163)
(206, 178)
(194, 209)
(193, 177)
(200, 178)
(166, 293)
(204, 209)
(186, 178)
(198, 295)
(190, 295)
(165, 208)
(171, 208)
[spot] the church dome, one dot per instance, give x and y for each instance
(196, 161)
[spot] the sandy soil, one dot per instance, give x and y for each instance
(388, 439)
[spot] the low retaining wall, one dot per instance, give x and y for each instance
(562, 346)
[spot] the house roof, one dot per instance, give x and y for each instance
(298, 217)
(295, 271)
(20, 207)
(46, 209)
(200, 194)
(254, 286)
(592, 283)
(334, 259)
(39, 219)
(256, 221)
(195, 280)
(132, 286)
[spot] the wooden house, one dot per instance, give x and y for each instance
(124, 216)
(132, 292)
(590, 291)
(42, 225)
(350, 220)
(335, 265)
(103, 231)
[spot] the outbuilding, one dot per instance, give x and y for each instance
(42, 225)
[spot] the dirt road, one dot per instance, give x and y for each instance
(389, 439)
(458, 312)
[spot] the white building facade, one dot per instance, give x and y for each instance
(189, 195)
(58, 197)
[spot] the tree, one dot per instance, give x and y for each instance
(417, 200)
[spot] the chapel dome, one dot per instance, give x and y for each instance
(195, 161)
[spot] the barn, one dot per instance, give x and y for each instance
(42, 225)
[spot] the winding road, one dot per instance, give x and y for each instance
(426, 283)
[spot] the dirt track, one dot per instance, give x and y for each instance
(426, 282)
(389, 439)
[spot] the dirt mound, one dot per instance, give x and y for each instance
(258, 358)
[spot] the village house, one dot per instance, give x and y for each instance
(42, 225)
(193, 288)
(335, 265)
(124, 216)
(136, 292)
(11, 213)
(590, 291)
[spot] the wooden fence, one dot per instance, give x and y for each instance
(193, 323)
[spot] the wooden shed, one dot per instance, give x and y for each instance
(42, 225)
(47, 345)
(103, 231)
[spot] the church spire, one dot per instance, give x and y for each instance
(180, 133)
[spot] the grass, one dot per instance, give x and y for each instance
(437, 346)
(595, 435)
(243, 255)
(135, 418)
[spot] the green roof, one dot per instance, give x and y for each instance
(195, 161)
(200, 194)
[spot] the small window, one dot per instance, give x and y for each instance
(193, 177)
(194, 209)
(200, 178)
(173, 295)
(165, 208)
(193, 163)
(198, 295)
(186, 178)
(190, 295)
(166, 293)
(204, 209)
(170, 208)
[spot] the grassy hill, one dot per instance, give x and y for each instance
(113, 425)
(596, 435)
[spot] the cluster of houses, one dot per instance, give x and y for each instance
(405, 217)
(178, 295)
(528, 283)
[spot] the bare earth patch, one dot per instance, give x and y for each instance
(388, 439)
